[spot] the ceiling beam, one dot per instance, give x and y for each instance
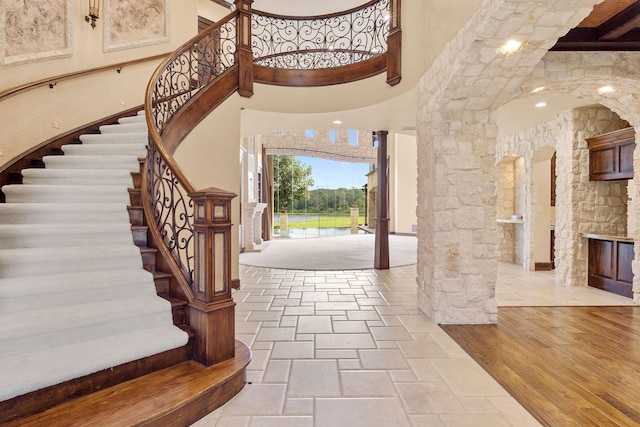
(621, 23)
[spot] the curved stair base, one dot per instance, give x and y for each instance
(178, 396)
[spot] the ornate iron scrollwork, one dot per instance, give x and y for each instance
(323, 42)
(172, 212)
(191, 70)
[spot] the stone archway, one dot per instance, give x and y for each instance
(623, 76)
(457, 133)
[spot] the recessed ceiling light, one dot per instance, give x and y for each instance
(538, 89)
(337, 122)
(541, 104)
(510, 47)
(605, 89)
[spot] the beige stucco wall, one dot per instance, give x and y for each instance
(403, 186)
(211, 11)
(541, 228)
(43, 113)
(210, 155)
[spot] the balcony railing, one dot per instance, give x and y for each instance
(192, 228)
(320, 42)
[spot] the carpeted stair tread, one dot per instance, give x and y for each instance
(77, 177)
(45, 235)
(28, 372)
(114, 138)
(134, 149)
(74, 297)
(129, 163)
(139, 118)
(138, 127)
(19, 193)
(62, 213)
(38, 292)
(12, 287)
(44, 261)
(38, 322)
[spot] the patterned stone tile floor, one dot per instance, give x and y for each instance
(350, 348)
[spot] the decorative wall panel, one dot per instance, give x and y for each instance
(32, 30)
(134, 23)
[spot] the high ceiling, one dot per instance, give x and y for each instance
(612, 25)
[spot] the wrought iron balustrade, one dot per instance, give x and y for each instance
(321, 42)
(179, 96)
(192, 68)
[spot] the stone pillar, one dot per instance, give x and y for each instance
(284, 224)
(355, 216)
(505, 208)
(584, 206)
(252, 226)
(457, 266)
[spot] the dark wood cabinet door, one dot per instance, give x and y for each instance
(611, 155)
(610, 266)
(626, 159)
(625, 258)
(603, 163)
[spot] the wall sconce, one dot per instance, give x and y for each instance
(94, 12)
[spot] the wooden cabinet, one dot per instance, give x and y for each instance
(610, 266)
(611, 155)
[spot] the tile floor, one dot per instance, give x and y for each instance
(517, 287)
(350, 348)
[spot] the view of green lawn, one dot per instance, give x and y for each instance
(322, 222)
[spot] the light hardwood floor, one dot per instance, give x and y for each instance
(566, 365)
(569, 355)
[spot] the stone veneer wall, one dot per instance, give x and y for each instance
(457, 132)
(592, 207)
(505, 207)
(521, 201)
(581, 205)
(296, 143)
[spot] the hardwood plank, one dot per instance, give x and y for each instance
(176, 396)
(565, 365)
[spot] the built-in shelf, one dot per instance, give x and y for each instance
(509, 221)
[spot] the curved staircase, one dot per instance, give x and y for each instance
(74, 296)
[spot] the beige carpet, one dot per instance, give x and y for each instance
(352, 252)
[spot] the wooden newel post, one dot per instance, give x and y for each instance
(212, 311)
(245, 54)
(394, 45)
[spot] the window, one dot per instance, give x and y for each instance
(353, 137)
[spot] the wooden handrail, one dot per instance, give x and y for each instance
(314, 17)
(51, 81)
(193, 228)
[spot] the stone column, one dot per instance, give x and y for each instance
(252, 226)
(355, 216)
(284, 224)
(457, 266)
(584, 206)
